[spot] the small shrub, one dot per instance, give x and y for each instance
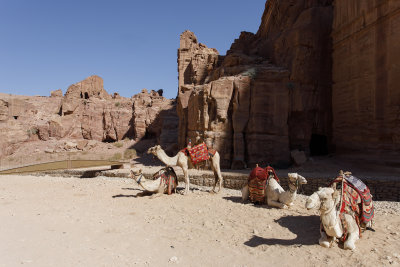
(116, 156)
(252, 73)
(118, 144)
(117, 104)
(32, 131)
(130, 153)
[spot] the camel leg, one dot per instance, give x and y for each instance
(215, 181)
(245, 193)
(351, 240)
(276, 204)
(186, 174)
(217, 172)
(353, 235)
(324, 240)
(159, 193)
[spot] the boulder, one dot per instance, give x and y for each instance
(298, 157)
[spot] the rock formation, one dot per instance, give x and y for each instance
(86, 112)
(366, 75)
(271, 93)
(155, 117)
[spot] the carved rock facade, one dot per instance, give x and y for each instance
(366, 75)
(271, 93)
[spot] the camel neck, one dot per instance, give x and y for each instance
(166, 159)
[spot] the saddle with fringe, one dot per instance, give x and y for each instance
(356, 200)
(168, 177)
(257, 183)
(199, 153)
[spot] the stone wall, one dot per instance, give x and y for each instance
(366, 74)
(382, 189)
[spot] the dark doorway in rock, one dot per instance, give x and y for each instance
(86, 95)
(318, 145)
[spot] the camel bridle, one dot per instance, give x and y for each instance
(140, 178)
(295, 184)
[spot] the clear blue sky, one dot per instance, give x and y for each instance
(47, 45)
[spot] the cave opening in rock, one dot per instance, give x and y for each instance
(109, 139)
(86, 95)
(318, 145)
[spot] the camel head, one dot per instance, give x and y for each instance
(136, 174)
(153, 150)
(325, 196)
(297, 179)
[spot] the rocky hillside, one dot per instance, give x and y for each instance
(85, 112)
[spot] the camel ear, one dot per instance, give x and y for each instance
(331, 191)
(302, 179)
(336, 193)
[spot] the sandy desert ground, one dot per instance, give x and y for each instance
(54, 221)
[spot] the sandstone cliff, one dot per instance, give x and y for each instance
(88, 112)
(366, 75)
(271, 93)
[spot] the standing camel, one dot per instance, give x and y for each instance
(182, 160)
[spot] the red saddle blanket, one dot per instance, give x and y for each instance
(168, 177)
(257, 183)
(199, 153)
(356, 198)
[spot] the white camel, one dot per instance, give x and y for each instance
(182, 161)
(328, 198)
(155, 187)
(274, 193)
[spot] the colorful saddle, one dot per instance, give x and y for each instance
(257, 183)
(168, 177)
(356, 198)
(199, 153)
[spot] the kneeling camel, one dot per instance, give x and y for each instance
(331, 223)
(274, 193)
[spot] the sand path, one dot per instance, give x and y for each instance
(54, 221)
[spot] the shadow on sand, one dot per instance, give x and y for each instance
(234, 199)
(305, 227)
(237, 199)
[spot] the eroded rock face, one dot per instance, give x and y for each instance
(155, 117)
(271, 92)
(56, 93)
(86, 112)
(366, 97)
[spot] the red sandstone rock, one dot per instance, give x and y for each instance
(269, 94)
(85, 112)
(56, 93)
(366, 75)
